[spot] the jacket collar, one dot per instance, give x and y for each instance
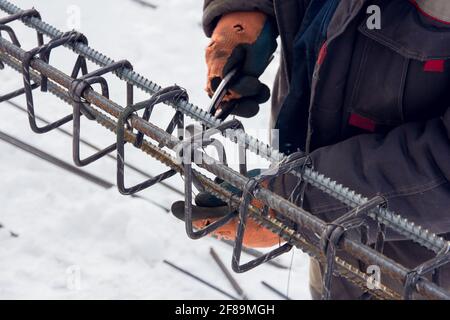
(348, 9)
(437, 9)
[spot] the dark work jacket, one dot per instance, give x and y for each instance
(378, 118)
(401, 154)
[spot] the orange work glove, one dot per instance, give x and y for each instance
(255, 236)
(209, 209)
(246, 41)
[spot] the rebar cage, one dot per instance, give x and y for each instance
(290, 222)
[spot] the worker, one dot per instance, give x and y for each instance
(363, 90)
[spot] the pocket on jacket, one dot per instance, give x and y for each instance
(378, 85)
(399, 73)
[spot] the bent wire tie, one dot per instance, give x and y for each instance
(289, 164)
(44, 52)
(334, 232)
(189, 150)
(173, 93)
(434, 266)
(40, 38)
(77, 90)
(31, 13)
(16, 42)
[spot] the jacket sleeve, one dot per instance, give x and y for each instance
(410, 167)
(214, 9)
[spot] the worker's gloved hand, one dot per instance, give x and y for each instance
(246, 41)
(209, 209)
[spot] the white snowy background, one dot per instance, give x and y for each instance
(72, 232)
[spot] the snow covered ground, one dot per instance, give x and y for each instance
(77, 240)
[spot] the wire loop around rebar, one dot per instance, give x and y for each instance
(432, 266)
(356, 219)
(173, 93)
(188, 154)
(19, 16)
(44, 50)
(77, 90)
(292, 162)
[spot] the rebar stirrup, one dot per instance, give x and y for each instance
(434, 265)
(291, 163)
(44, 52)
(12, 35)
(189, 148)
(14, 40)
(77, 90)
(357, 218)
(20, 16)
(169, 94)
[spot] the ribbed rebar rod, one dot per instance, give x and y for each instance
(327, 185)
(281, 205)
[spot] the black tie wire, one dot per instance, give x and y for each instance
(173, 93)
(356, 219)
(432, 266)
(291, 163)
(189, 152)
(77, 89)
